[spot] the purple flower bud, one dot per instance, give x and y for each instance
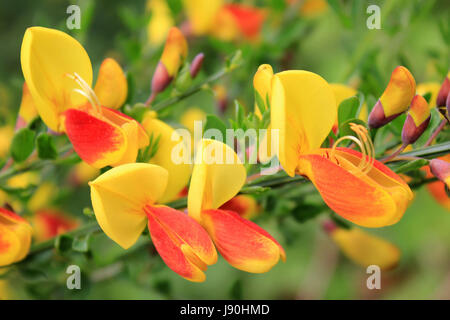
(196, 65)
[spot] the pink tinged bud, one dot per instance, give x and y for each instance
(448, 104)
(443, 93)
(196, 65)
(441, 170)
(329, 226)
(395, 99)
(161, 79)
(416, 121)
(377, 118)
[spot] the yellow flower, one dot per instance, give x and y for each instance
(353, 184)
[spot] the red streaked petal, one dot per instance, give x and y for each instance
(245, 245)
(181, 242)
(357, 198)
(120, 118)
(97, 142)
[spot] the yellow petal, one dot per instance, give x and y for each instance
(175, 51)
(119, 195)
(6, 135)
(429, 87)
(262, 84)
(202, 14)
(214, 180)
(47, 56)
(303, 109)
(190, 116)
(111, 87)
(161, 21)
(27, 109)
(169, 139)
(365, 249)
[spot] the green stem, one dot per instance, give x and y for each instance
(168, 102)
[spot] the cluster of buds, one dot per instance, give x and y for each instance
(398, 98)
(443, 98)
(441, 170)
(395, 99)
(172, 59)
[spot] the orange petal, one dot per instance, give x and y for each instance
(111, 87)
(249, 19)
(244, 205)
(50, 223)
(15, 237)
(245, 245)
(96, 141)
(181, 242)
(374, 199)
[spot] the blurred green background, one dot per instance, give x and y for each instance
(335, 44)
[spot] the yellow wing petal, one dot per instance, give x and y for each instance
(218, 175)
(119, 195)
(169, 140)
(111, 87)
(47, 56)
(303, 109)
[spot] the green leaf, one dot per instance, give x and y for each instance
(411, 166)
(136, 111)
(81, 244)
(305, 211)
(344, 128)
(260, 102)
(348, 109)
(239, 113)
(46, 147)
(22, 144)
(63, 243)
(213, 122)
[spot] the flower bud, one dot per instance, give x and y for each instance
(395, 98)
(196, 65)
(416, 121)
(443, 92)
(441, 170)
(15, 237)
(174, 53)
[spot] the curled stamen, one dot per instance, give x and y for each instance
(86, 91)
(364, 143)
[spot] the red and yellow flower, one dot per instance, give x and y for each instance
(125, 201)
(15, 237)
(49, 223)
(353, 184)
(58, 73)
(225, 21)
(217, 177)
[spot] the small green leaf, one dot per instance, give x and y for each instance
(46, 147)
(136, 111)
(81, 244)
(411, 166)
(305, 211)
(239, 113)
(213, 122)
(63, 243)
(348, 109)
(260, 102)
(22, 144)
